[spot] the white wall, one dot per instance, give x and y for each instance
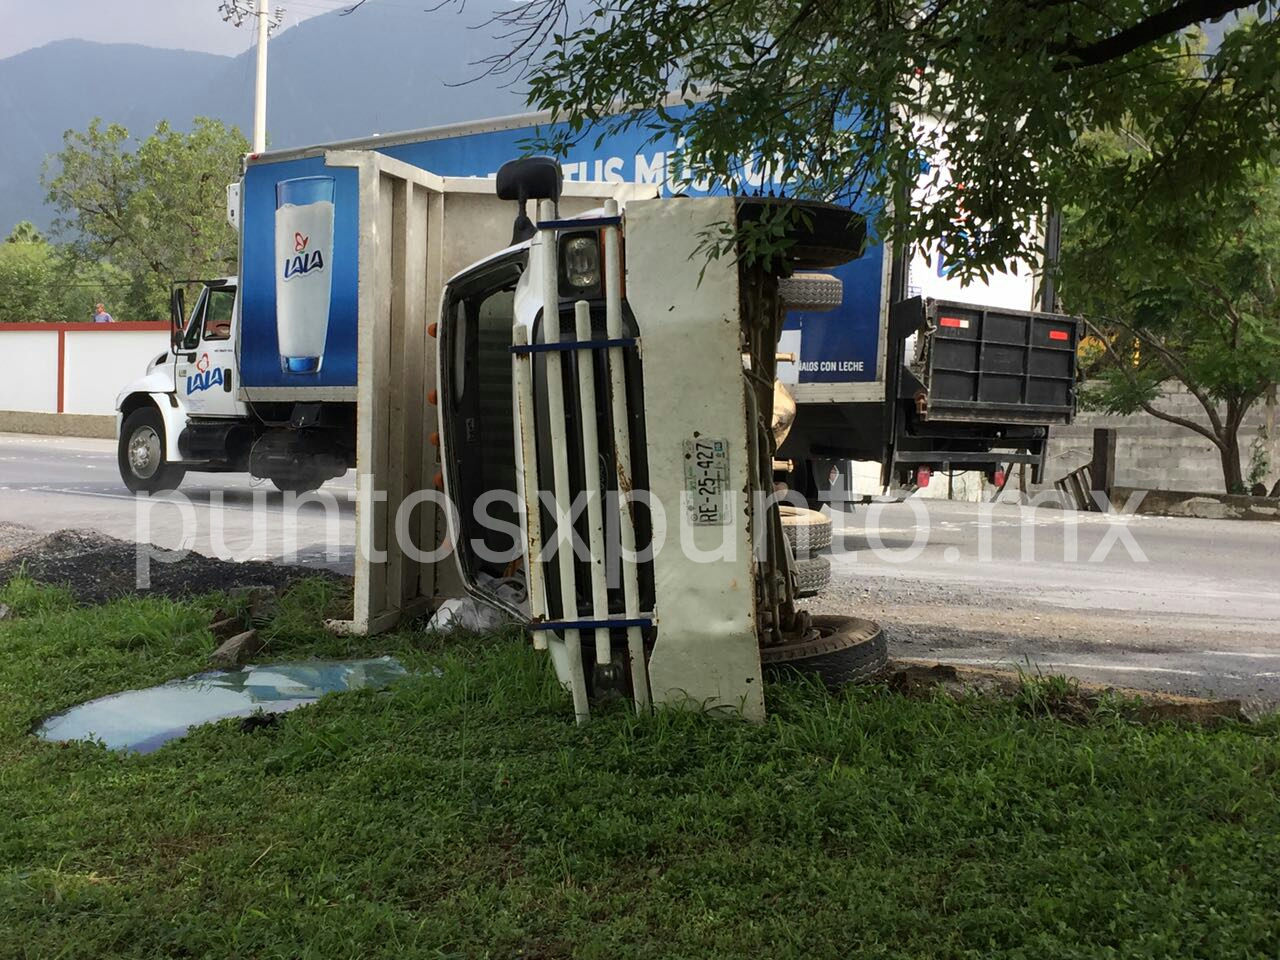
(99, 363)
(29, 370)
(98, 360)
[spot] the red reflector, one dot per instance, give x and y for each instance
(1059, 335)
(951, 322)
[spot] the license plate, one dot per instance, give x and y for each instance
(706, 481)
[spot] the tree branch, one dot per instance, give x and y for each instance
(1177, 17)
(1179, 370)
(1128, 374)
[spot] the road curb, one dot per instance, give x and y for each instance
(1202, 506)
(58, 424)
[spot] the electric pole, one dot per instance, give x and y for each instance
(235, 12)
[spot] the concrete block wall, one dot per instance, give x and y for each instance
(1156, 455)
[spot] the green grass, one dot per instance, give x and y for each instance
(464, 815)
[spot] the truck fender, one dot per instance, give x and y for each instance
(158, 380)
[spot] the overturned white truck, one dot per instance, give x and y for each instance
(621, 385)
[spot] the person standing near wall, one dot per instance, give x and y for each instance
(100, 314)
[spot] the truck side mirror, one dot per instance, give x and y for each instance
(529, 178)
(177, 312)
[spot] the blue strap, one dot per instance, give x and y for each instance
(584, 222)
(567, 345)
(612, 624)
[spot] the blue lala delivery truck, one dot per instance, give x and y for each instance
(912, 370)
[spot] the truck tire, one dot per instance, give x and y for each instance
(844, 650)
(812, 574)
(810, 291)
(298, 483)
(808, 530)
(144, 468)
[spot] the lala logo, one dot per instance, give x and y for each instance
(302, 261)
(204, 378)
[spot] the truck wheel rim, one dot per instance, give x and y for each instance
(144, 452)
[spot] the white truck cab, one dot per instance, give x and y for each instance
(187, 413)
(196, 377)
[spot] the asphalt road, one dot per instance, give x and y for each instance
(1197, 610)
(52, 483)
(1183, 605)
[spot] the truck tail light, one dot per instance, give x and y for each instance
(923, 474)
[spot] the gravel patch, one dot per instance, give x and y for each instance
(98, 568)
(14, 537)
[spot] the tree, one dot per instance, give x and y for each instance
(836, 94)
(1184, 291)
(39, 281)
(155, 210)
(26, 271)
(24, 232)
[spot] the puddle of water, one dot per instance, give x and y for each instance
(143, 720)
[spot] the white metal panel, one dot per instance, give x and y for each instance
(416, 230)
(706, 652)
(29, 371)
(838, 392)
(397, 289)
(929, 276)
(622, 459)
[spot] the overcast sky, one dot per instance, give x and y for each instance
(184, 24)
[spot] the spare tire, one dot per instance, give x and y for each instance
(812, 574)
(808, 530)
(810, 291)
(298, 482)
(839, 650)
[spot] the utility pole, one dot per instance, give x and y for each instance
(233, 11)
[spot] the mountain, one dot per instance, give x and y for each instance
(66, 84)
(381, 69)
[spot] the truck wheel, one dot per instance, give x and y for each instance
(143, 466)
(839, 650)
(812, 574)
(808, 530)
(298, 483)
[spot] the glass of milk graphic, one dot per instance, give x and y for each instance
(304, 246)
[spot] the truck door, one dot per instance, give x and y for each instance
(206, 361)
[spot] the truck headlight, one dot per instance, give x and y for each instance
(580, 265)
